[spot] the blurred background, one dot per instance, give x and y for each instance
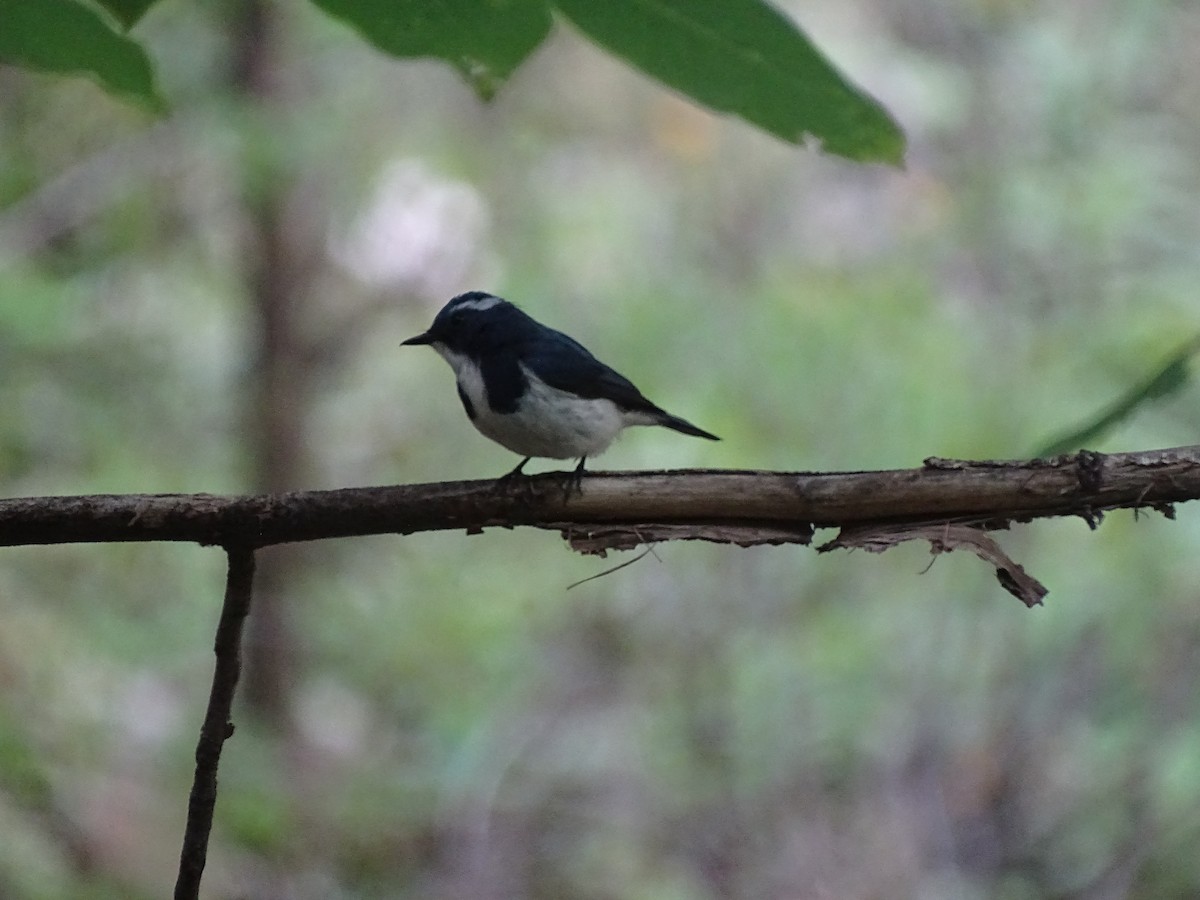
(214, 302)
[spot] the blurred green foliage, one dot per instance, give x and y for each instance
(712, 722)
(67, 37)
(1171, 379)
(485, 41)
(127, 12)
(746, 58)
(737, 56)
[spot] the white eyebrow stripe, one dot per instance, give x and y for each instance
(478, 303)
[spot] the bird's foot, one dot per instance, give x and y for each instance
(573, 481)
(516, 473)
(516, 483)
(516, 479)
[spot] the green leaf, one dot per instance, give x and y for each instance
(69, 38)
(1170, 379)
(485, 39)
(746, 58)
(127, 12)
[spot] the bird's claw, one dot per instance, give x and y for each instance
(573, 481)
(516, 479)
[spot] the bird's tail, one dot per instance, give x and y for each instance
(683, 426)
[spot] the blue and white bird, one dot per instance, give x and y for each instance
(534, 390)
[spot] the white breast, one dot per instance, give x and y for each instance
(548, 422)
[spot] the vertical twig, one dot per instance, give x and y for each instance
(217, 721)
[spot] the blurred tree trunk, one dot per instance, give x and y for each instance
(279, 388)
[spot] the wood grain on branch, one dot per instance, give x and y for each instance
(737, 506)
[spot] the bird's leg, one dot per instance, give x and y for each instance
(516, 479)
(509, 477)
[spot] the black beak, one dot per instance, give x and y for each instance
(425, 338)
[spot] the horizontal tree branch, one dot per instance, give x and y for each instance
(614, 509)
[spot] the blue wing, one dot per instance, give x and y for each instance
(564, 363)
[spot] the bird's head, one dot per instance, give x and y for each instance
(470, 324)
(473, 324)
